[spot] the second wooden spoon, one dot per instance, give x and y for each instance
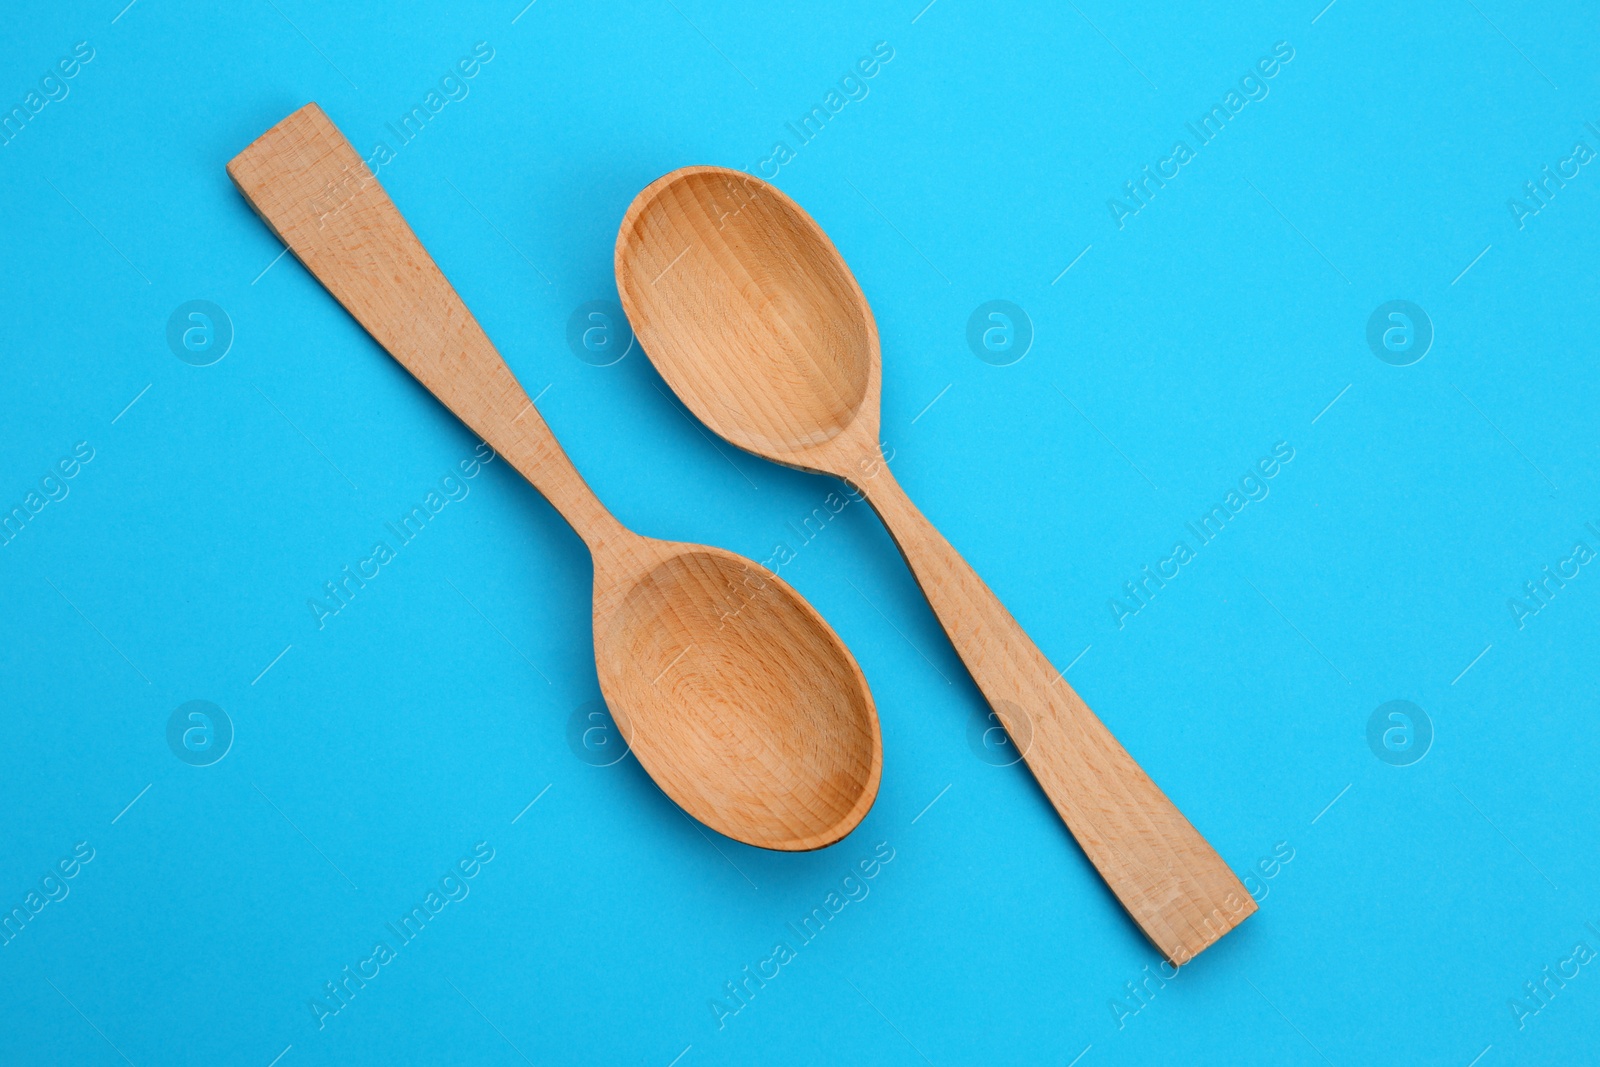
(736, 696)
(750, 313)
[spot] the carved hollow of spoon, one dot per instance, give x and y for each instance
(751, 315)
(737, 698)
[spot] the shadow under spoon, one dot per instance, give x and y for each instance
(738, 699)
(751, 315)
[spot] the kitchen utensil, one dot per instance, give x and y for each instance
(751, 315)
(736, 696)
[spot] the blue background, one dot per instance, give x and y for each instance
(1225, 316)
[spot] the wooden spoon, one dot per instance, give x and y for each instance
(733, 692)
(749, 312)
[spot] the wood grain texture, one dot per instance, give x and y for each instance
(733, 692)
(751, 315)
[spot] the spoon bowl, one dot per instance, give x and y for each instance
(776, 352)
(738, 699)
(733, 693)
(751, 314)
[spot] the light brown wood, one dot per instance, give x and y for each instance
(736, 696)
(751, 315)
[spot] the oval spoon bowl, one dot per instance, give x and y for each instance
(760, 350)
(740, 701)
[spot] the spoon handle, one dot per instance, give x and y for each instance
(1172, 882)
(317, 195)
